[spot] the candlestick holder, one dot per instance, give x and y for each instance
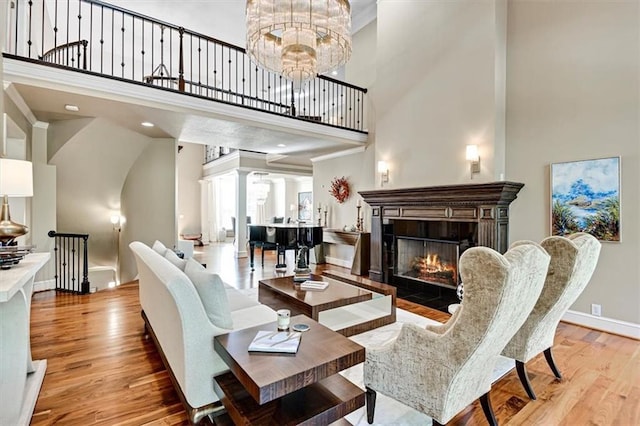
(319, 217)
(325, 218)
(358, 220)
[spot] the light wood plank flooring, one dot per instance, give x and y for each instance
(101, 369)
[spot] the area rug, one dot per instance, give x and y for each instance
(388, 410)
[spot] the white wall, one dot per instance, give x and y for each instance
(358, 170)
(43, 203)
(91, 170)
(573, 94)
(189, 173)
(149, 202)
(435, 90)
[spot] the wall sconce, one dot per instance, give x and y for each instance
(383, 169)
(116, 221)
(474, 159)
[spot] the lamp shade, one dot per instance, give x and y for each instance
(472, 153)
(16, 178)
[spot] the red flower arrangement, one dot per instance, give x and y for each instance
(340, 189)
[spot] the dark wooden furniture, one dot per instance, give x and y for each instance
(288, 389)
(342, 292)
(361, 242)
(486, 204)
(285, 237)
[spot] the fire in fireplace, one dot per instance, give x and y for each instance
(431, 261)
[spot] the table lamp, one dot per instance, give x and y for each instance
(16, 180)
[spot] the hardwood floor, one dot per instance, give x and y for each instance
(101, 369)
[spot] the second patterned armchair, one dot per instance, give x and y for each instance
(573, 260)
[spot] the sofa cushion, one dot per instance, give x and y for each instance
(160, 248)
(175, 260)
(238, 301)
(212, 293)
(252, 316)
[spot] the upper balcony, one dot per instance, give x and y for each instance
(96, 39)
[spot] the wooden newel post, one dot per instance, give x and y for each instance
(84, 54)
(181, 62)
(85, 266)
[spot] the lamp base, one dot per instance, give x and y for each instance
(9, 230)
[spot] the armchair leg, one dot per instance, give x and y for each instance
(488, 411)
(371, 404)
(262, 256)
(552, 364)
(524, 379)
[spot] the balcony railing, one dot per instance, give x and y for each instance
(93, 37)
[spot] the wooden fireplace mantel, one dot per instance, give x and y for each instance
(486, 204)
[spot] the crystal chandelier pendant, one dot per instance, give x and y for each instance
(299, 60)
(299, 39)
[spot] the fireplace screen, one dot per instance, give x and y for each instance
(432, 261)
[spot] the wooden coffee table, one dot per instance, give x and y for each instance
(283, 389)
(347, 300)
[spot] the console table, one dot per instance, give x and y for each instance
(20, 376)
(360, 242)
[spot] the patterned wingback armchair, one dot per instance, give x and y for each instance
(440, 370)
(573, 260)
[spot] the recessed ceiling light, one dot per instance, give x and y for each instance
(281, 145)
(147, 124)
(70, 107)
(334, 72)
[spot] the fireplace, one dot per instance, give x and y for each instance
(418, 234)
(431, 261)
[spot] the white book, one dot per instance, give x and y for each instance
(276, 341)
(314, 285)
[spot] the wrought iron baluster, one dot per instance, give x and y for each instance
(67, 56)
(70, 262)
(181, 63)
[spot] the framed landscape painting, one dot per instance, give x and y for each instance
(585, 197)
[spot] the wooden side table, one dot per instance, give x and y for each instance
(285, 389)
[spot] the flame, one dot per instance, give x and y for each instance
(431, 263)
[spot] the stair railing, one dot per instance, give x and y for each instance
(72, 54)
(71, 262)
(128, 46)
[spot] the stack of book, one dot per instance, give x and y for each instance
(314, 285)
(276, 341)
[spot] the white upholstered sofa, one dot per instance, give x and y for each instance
(181, 328)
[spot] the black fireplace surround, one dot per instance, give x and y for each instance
(418, 234)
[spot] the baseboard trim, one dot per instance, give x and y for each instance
(610, 325)
(338, 262)
(44, 285)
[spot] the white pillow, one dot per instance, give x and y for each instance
(173, 258)
(212, 293)
(159, 248)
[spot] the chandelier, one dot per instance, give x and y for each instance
(299, 38)
(261, 189)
